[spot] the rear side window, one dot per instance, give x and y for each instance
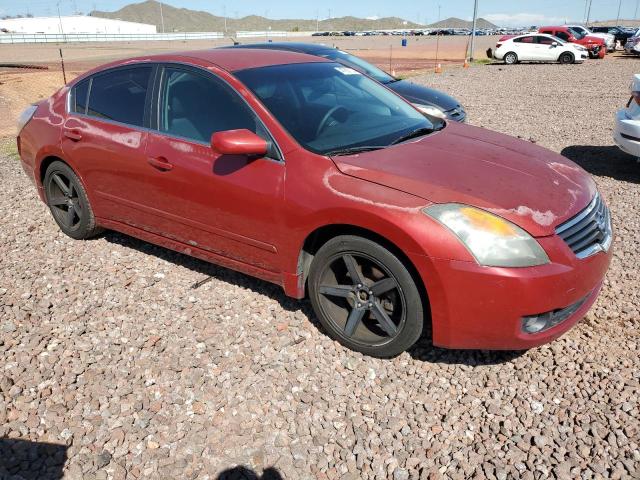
(548, 32)
(78, 102)
(563, 36)
(524, 40)
(120, 95)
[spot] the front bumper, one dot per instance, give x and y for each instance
(476, 307)
(626, 134)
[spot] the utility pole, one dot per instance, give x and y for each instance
(473, 28)
(161, 17)
(588, 14)
(635, 15)
(618, 17)
(60, 21)
(224, 13)
(584, 16)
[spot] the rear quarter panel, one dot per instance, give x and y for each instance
(40, 138)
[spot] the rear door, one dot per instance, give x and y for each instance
(105, 136)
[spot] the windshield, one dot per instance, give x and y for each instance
(328, 107)
(359, 64)
(576, 33)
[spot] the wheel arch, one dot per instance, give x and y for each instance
(318, 237)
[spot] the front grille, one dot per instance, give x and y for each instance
(589, 231)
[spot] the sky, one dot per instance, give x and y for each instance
(501, 12)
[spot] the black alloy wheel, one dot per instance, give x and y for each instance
(365, 297)
(68, 202)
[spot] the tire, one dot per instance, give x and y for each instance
(68, 202)
(510, 58)
(566, 58)
(365, 297)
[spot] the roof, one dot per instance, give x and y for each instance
(239, 59)
(310, 48)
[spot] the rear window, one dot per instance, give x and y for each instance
(120, 95)
(78, 102)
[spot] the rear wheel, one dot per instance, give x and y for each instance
(68, 202)
(566, 58)
(511, 58)
(365, 297)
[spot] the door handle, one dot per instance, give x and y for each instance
(160, 163)
(73, 134)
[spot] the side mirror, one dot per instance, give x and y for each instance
(238, 142)
(554, 44)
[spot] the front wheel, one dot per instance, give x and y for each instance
(566, 58)
(511, 58)
(365, 297)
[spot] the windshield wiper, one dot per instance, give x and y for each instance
(418, 132)
(352, 150)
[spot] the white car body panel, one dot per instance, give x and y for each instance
(609, 40)
(535, 52)
(626, 133)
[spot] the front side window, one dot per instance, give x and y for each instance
(548, 40)
(524, 40)
(562, 35)
(328, 107)
(194, 106)
(120, 95)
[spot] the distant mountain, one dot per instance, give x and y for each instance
(453, 22)
(185, 20)
(622, 23)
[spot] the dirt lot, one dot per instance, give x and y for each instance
(111, 360)
(21, 87)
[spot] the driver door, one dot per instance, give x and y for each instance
(227, 204)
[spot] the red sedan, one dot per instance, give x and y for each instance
(308, 174)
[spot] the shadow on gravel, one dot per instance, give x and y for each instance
(243, 473)
(210, 270)
(31, 460)
(605, 162)
(423, 350)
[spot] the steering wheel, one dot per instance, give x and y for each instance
(324, 122)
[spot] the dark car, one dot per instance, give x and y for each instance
(427, 100)
(621, 35)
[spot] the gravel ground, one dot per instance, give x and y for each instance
(112, 365)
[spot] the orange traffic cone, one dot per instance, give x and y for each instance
(438, 68)
(466, 63)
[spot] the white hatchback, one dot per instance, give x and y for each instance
(538, 47)
(626, 133)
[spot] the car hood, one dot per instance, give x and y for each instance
(529, 185)
(427, 96)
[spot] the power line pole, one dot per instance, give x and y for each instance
(473, 29)
(619, 7)
(161, 17)
(588, 13)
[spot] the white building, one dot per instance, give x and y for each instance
(74, 24)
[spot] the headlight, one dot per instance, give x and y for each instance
(492, 240)
(431, 110)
